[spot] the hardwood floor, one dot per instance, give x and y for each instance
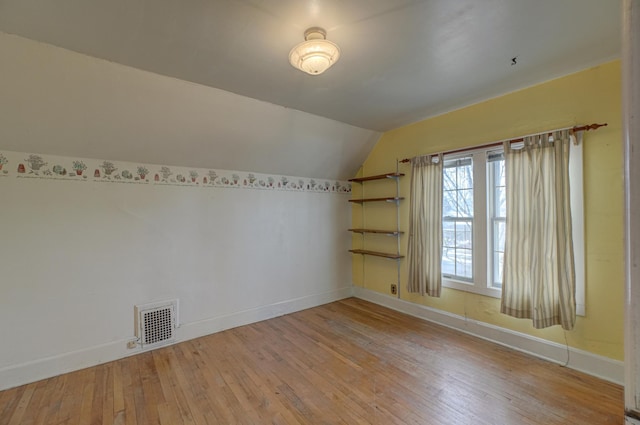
(349, 362)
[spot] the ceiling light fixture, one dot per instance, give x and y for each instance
(316, 54)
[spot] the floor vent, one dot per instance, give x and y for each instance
(156, 323)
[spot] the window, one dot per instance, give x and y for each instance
(474, 221)
(466, 251)
(457, 221)
(497, 216)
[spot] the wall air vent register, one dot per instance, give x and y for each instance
(155, 323)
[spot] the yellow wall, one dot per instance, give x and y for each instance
(586, 97)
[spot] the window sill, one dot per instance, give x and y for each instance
(470, 287)
(460, 285)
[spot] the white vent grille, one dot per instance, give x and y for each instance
(155, 323)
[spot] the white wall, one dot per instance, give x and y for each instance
(58, 102)
(76, 254)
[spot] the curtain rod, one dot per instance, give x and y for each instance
(520, 139)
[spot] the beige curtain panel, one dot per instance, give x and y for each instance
(539, 274)
(425, 226)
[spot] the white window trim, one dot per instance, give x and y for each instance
(577, 221)
(480, 226)
(461, 279)
(479, 285)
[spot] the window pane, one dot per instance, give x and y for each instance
(499, 193)
(448, 261)
(449, 203)
(463, 235)
(464, 243)
(499, 227)
(500, 175)
(448, 234)
(501, 202)
(464, 263)
(465, 176)
(465, 203)
(449, 179)
(499, 265)
(498, 236)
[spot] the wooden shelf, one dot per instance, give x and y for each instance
(396, 233)
(381, 232)
(378, 177)
(377, 254)
(390, 199)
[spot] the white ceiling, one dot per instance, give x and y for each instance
(402, 60)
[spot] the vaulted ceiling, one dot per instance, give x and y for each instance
(402, 60)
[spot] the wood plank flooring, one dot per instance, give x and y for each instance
(348, 362)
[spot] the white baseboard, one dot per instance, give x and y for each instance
(220, 323)
(24, 373)
(602, 367)
(592, 364)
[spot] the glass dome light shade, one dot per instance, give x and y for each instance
(315, 55)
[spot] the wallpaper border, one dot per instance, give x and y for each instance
(53, 167)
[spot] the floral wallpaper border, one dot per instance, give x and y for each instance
(28, 165)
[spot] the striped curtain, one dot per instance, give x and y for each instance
(425, 226)
(539, 275)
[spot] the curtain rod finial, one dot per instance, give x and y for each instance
(590, 127)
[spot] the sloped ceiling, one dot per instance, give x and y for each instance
(402, 61)
(54, 101)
